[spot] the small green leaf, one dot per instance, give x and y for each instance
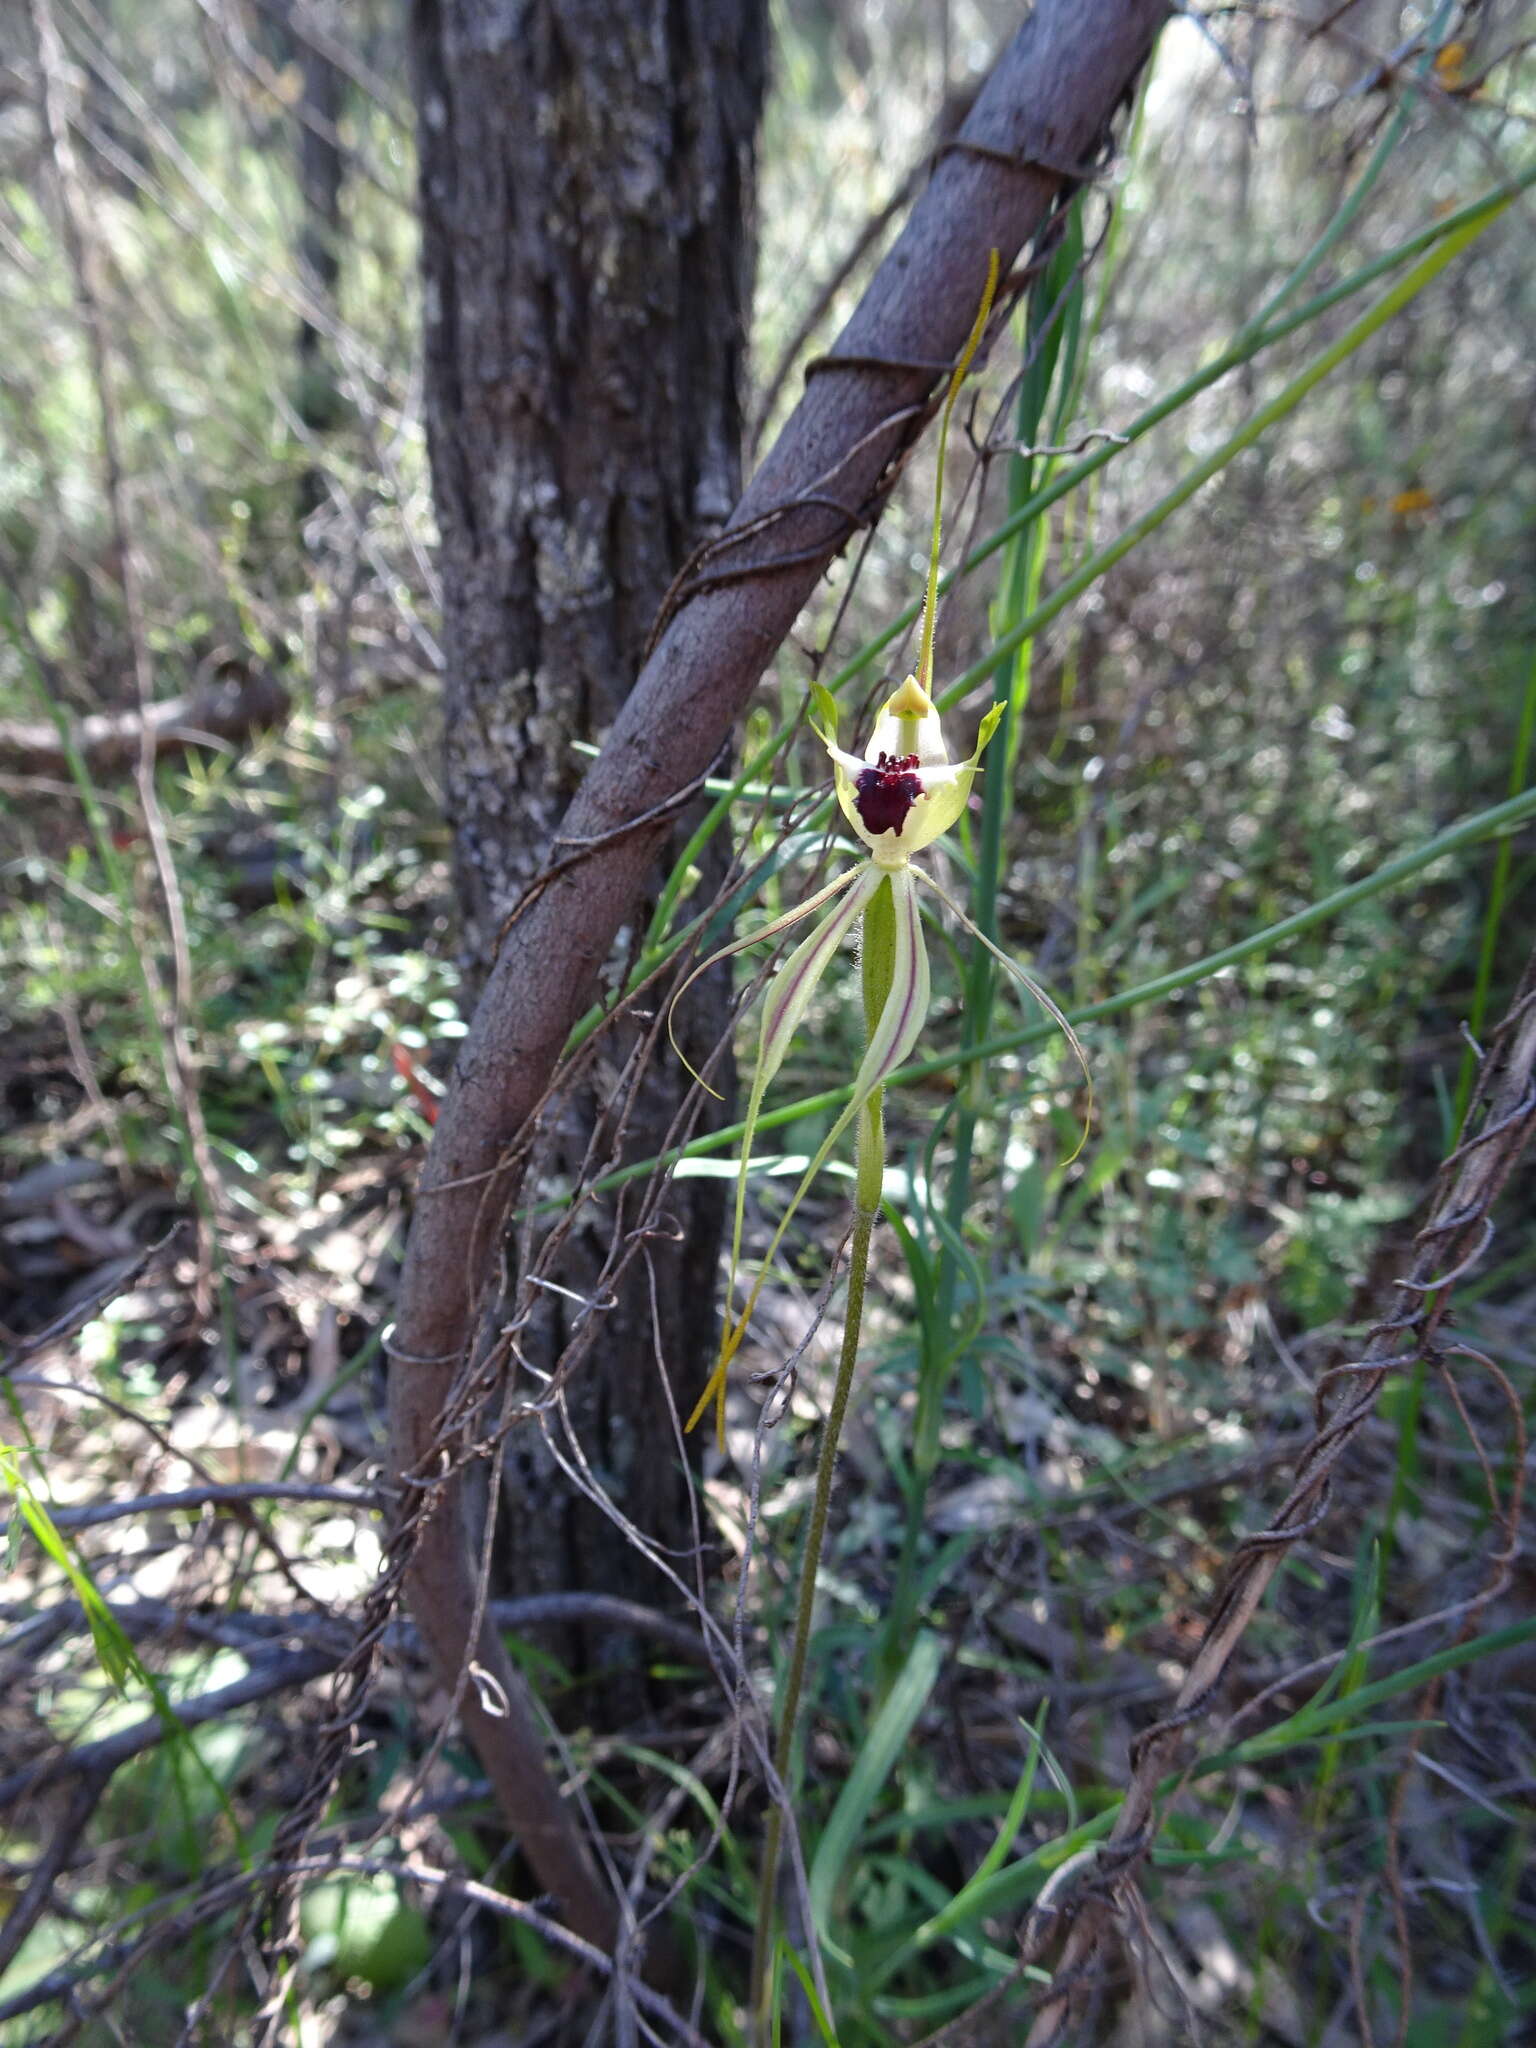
(818, 2014)
(112, 1646)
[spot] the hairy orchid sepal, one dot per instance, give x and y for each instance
(906, 792)
(890, 1044)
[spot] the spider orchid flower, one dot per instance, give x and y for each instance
(898, 798)
(906, 791)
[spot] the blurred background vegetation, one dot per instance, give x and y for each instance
(1315, 666)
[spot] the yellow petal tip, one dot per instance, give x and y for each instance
(910, 701)
(701, 1406)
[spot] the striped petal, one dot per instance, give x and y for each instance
(890, 1044)
(787, 1000)
(801, 911)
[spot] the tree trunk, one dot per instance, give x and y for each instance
(1042, 113)
(321, 168)
(586, 174)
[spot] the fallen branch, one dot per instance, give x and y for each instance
(89, 1768)
(269, 1675)
(84, 1798)
(282, 1671)
(213, 1898)
(231, 1493)
(241, 702)
(122, 1274)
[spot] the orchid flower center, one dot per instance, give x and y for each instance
(886, 792)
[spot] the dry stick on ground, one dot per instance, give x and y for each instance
(121, 1276)
(84, 1797)
(213, 1494)
(242, 1508)
(250, 1632)
(276, 1671)
(215, 1894)
(1500, 1120)
(245, 701)
(1049, 102)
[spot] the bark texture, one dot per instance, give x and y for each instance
(1044, 111)
(317, 400)
(586, 174)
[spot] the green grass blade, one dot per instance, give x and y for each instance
(876, 1760)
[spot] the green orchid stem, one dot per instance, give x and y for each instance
(1050, 342)
(794, 1676)
(878, 967)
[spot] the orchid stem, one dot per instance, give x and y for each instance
(794, 1677)
(878, 965)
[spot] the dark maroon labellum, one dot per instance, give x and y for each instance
(886, 793)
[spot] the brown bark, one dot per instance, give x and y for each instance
(586, 188)
(1044, 111)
